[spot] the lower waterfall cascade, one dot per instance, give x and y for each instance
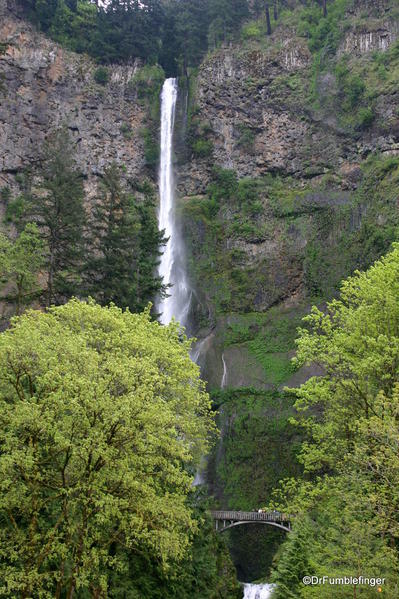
(257, 591)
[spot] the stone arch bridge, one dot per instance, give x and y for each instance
(227, 519)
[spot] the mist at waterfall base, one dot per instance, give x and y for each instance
(172, 263)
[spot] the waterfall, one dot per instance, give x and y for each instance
(172, 267)
(172, 264)
(257, 591)
(224, 376)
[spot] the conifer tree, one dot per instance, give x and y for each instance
(268, 24)
(56, 205)
(149, 284)
(124, 244)
(293, 564)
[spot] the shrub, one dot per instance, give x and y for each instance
(151, 148)
(202, 148)
(365, 118)
(148, 81)
(126, 130)
(225, 184)
(101, 76)
(354, 88)
(247, 138)
(252, 30)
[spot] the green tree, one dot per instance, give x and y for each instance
(149, 284)
(101, 413)
(206, 571)
(56, 205)
(350, 416)
(268, 23)
(226, 17)
(293, 563)
(21, 261)
(127, 29)
(191, 26)
(124, 244)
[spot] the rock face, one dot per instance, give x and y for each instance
(262, 92)
(43, 86)
(263, 110)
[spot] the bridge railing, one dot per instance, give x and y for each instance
(250, 516)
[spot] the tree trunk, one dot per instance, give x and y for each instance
(268, 24)
(324, 8)
(275, 12)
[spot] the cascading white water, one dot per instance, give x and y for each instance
(257, 591)
(171, 267)
(224, 376)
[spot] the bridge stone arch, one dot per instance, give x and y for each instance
(224, 519)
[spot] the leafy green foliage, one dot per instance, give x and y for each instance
(102, 411)
(148, 81)
(101, 76)
(293, 562)
(21, 261)
(258, 446)
(176, 34)
(224, 185)
(126, 130)
(258, 427)
(323, 32)
(206, 570)
(203, 148)
(349, 414)
(247, 138)
(225, 17)
(151, 148)
(110, 32)
(252, 30)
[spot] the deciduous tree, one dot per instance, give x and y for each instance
(21, 261)
(101, 412)
(350, 415)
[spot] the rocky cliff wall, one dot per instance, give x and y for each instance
(43, 86)
(299, 125)
(265, 89)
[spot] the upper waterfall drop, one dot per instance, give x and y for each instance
(171, 267)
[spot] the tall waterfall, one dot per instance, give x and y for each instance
(172, 264)
(172, 267)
